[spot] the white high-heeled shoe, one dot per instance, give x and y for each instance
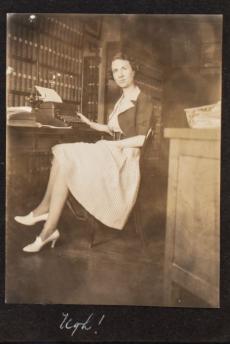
(37, 245)
(30, 219)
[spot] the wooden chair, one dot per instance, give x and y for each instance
(137, 210)
(81, 214)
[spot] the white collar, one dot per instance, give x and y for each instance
(133, 95)
(129, 101)
(127, 104)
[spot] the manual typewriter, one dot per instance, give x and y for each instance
(59, 112)
(54, 113)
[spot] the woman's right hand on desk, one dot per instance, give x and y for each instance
(83, 118)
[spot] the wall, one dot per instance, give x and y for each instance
(191, 60)
(193, 74)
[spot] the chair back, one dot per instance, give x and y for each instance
(148, 139)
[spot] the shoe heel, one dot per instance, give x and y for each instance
(53, 243)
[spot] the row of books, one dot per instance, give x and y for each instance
(47, 51)
(16, 99)
(69, 89)
(22, 77)
(25, 75)
(92, 110)
(90, 94)
(91, 77)
(64, 28)
(68, 92)
(92, 71)
(67, 29)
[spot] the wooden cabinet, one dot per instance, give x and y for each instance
(193, 222)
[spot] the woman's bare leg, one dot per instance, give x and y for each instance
(44, 205)
(58, 197)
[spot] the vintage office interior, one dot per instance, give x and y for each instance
(172, 258)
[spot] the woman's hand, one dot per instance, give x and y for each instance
(94, 125)
(83, 118)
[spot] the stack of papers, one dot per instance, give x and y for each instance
(208, 116)
(15, 110)
(20, 116)
(48, 94)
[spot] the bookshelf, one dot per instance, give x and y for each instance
(45, 50)
(90, 87)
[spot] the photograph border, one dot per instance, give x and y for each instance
(41, 323)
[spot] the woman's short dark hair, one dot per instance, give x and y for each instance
(123, 56)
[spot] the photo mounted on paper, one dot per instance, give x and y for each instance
(113, 159)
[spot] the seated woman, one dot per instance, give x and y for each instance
(104, 176)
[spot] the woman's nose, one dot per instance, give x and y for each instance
(120, 74)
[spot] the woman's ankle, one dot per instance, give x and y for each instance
(46, 233)
(40, 211)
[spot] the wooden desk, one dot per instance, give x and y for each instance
(193, 224)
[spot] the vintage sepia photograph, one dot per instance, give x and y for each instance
(113, 159)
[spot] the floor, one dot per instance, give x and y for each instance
(115, 271)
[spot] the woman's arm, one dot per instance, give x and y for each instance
(94, 125)
(99, 127)
(131, 142)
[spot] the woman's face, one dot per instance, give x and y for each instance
(123, 73)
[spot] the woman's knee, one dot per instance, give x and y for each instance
(57, 146)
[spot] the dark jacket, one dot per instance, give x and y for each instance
(138, 118)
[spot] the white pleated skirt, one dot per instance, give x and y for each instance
(103, 178)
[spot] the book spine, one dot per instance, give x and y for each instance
(62, 85)
(72, 89)
(35, 50)
(34, 75)
(58, 55)
(69, 90)
(16, 45)
(27, 72)
(18, 81)
(30, 45)
(45, 50)
(14, 75)
(10, 99)
(41, 49)
(78, 41)
(9, 76)
(50, 52)
(23, 76)
(45, 77)
(30, 78)
(26, 43)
